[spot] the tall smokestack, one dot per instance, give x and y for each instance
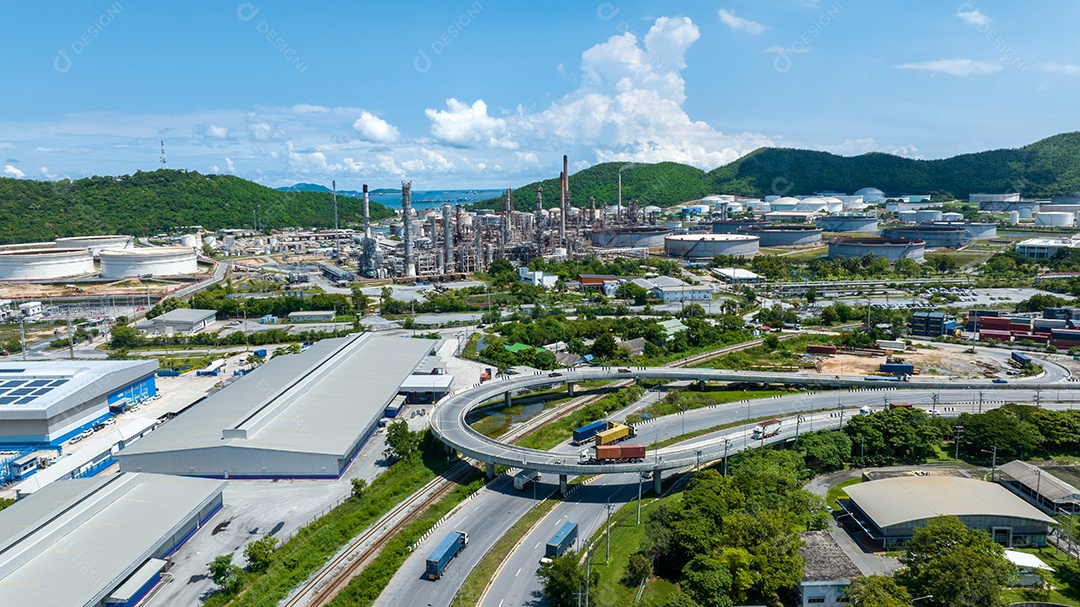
(618, 207)
(367, 214)
(565, 190)
(592, 209)
(539, 200)
(448, 238)
(406, 216)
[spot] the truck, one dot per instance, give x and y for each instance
(899, 405)
(486, 375)
(451, 545)
(897, 368)
(586, 433)
(617, 432)
(563, 539)
(261, 352)
(1020, 359)
(766, 429)
(612, 454)
(523, 478)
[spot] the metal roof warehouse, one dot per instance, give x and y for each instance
(299, 416)
(891, 509)
(96, 541)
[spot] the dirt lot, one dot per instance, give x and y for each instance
(927, 362)
(120, 287)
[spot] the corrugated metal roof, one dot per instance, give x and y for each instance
(32, 390)
(318, 401)
(1049, 486)
(185, 315)
(892, 501)
(72, 543)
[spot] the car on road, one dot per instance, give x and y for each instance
(624, 370)
(554, 374)
(1000, 380)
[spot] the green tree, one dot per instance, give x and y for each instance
(225, 574)
(260, 553)
(825, 450)
(1007, 427)
(811, 295)
(877, 591)
(359, 485)
(629, 290)
(706, 579)
(771, 342)
(562, 579)
(959, 567)
(13, 345)
(604, 347)
(638, 568)
(693, 311)
(680, 599)
(360, 301)
(124, 337)
(400, 441)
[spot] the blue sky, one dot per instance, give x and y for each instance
(491, 94)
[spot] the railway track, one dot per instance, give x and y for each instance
(335, 575)
(686, 362)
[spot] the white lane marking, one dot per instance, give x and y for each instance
(501, 602)
(538, 544)
(518, 573)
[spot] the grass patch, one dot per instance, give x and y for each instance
(786, 355)
(174, 362)
(1064, 588)
(479, 577)
(691, 399)
(494, 418)
(836, 492)
(550, 435)
(365, 588)
(317, 542)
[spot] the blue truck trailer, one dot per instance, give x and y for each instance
(442, 555)
(563, 539)
(897, 368)
(588, 431)
(1021, 359)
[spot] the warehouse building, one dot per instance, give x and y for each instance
(1040, 487)
(1046, 247)
(46, 403)
(313, 316)
(889, 510)
(667, 288)
(100, 541)
(299, 416)
(180, 320)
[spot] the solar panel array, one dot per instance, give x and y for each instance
(25, 391)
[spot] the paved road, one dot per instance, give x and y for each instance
(448, 418)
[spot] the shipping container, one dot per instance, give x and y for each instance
(612, 453)
(766, 429)
(1021, 358)
(523, 478)
(891, 344)
(616, 433)
(261, 353)
(446, 550)
(897, 368)
(588, 431)
(608, 452)
(562, 540)
(821, 349)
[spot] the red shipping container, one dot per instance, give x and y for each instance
(609, 452)
(995, 335)
(633, 451)
(820, 349)
(994, 322)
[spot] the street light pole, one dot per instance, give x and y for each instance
(607, 551)
(919, 598)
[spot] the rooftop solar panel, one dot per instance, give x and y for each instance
(14, 383)
(37, 383)
(26, 400)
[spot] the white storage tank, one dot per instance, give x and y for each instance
(1026, 212)
(45, 264)
(190, 240)
(784, 204)
(927, 215)
(952, 216)
(707, 246)
(1054, 218)
(157, 261)
(1014, 218)
(907, 216)
(96, 244)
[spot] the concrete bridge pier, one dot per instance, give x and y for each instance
(490, 469)
(569, 388)
(508, 398)
(657, 481)
(562, 484)
(701, 385)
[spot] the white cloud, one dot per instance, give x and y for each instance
(802, 48)
(46, 173)
(465, 125)
(216, 131)
(374, 129)
(229, 166)
(11, 171)
(1060, 68)
(953, 67)
(971, 15)
(739, 24)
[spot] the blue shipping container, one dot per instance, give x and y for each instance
(261, 352)
(1021, 358)
(897, 368)
(563, 539)
(446, 550)
(586, 432)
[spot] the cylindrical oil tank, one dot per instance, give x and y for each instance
(731, 226)
(96, 244)
(907, 216)
(45, 264)
(847, 223)
(977, 230)
(650, 237)
(927, 215)
(158, 261)
(892, 249)
(935, 237)
(707, 246)
(952, 216)
(786, 203)
(812, 203)
(785, 235)
(1054, 218)
(1014, 218)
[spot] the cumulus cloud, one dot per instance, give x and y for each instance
(216, 131)
(11, 171)
(229, 166)
(953, 67)
(1070, 69)
(374, 129)
(464, 125)
(740, 24)
(971, 15)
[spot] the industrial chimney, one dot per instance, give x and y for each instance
(367, 214)
(448, 239)
(406, 217)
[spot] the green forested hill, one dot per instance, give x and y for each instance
(1044, 168)
(148, 203)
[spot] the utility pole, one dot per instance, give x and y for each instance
(607, 551)
(934, 398)
(71, 343)
(727, 443)
(956, 439)
(993, 461)
(980, 400)
(640, 479)
(22, 333)
(588, 571)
